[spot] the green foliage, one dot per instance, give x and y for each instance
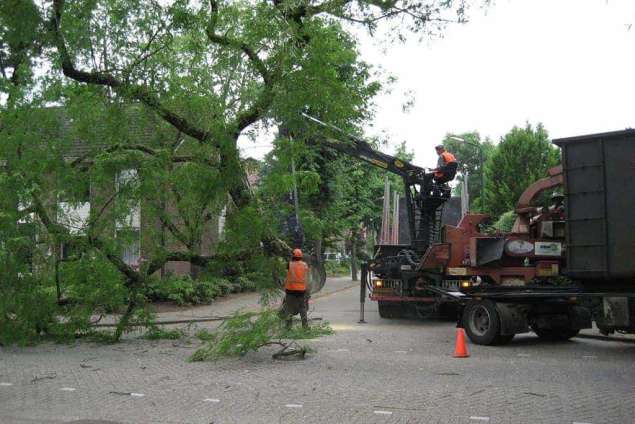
(505, 223)
(158, 333)
(337, 269)
(92, 284)
(249, 332)
(345, 197)
(314, 331)
(523, 156)
(29, 307)
(204, 335)
(471, 154)
(241, 334)
(186, 291)
(27, 310)
(202, 88)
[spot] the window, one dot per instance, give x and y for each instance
(221, 224)
(129, 179)
(26, 218)
(130, 239)
(128, 227)
(74, 209)
(74, 216)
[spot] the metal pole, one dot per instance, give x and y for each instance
(465, 193)
(394, 235)
(385, 219)
(362, 292)
(480, 156)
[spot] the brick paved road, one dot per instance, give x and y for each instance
(395, 371)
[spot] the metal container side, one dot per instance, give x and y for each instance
(599, 184)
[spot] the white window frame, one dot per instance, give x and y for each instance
(222, 217)
(131, 222)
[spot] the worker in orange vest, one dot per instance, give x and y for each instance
(446, 166)
(295, 287)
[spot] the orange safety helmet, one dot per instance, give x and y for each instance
(297, 253)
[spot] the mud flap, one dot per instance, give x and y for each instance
(579, 318)
(513, 318)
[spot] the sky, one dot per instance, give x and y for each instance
(569, 64)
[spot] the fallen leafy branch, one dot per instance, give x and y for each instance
(248, 332)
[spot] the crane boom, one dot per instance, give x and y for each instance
(423, 197)
(361, 149)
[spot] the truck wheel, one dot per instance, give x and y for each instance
(389, 309)
(482, 323)
(555, 334)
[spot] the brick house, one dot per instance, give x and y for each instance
(140, 229)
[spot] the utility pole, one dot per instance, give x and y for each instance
(480, 165)
(394, 236)
(385, 218)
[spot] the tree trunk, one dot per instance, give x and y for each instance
(317, 245)
(318, 273)
(354, 256)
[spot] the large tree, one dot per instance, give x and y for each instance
(202, 74)
(523, 156)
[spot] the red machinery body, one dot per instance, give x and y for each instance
(533, 251)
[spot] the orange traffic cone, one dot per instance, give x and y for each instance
(460, 349)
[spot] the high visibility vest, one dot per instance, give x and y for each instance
(447, 158)
(297, 276)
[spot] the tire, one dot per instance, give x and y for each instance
(482, 323)
(555, 334)
(389, 309)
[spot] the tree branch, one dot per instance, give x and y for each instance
(194, 259)
(226, 41)
(174, 229)
(132, 277)
(133, 91)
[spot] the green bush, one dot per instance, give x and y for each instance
(29, 309)
(186, 291)
(336, 269)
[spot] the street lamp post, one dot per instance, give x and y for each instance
(480, 160)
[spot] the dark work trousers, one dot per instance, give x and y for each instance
(295, 303)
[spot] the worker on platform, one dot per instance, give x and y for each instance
(446, 166)
(295, 287)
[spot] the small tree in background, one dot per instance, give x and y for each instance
(469, 157)
(522, 157)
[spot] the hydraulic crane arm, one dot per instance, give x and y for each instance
(361, 149)
(423, 199)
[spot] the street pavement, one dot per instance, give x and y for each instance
(384, 371)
